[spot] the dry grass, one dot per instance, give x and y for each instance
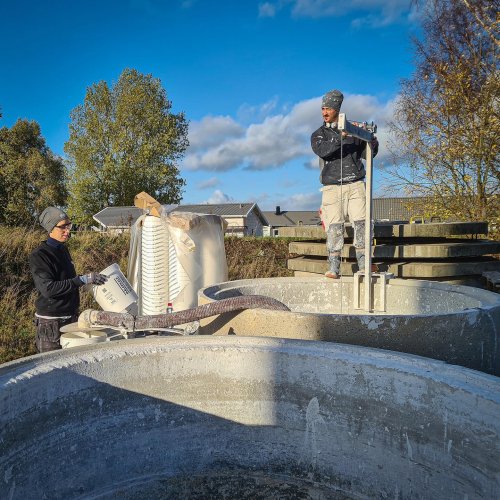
(256, 257)
(246, 258)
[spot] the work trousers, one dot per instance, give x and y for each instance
(48, 334)
(339, 202)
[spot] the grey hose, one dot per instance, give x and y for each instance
(124, 321)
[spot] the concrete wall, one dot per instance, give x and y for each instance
(245, 418)
(457, 324)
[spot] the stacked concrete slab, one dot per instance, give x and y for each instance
(451, 252)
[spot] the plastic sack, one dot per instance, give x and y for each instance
(180, 253)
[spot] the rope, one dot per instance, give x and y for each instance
(343, 228)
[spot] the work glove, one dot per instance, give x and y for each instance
(93, 278)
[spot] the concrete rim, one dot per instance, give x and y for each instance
(488, 299)
(453, 376)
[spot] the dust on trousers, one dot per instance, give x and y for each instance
(48, 333)
(338, 203)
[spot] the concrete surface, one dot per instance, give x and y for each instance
(404, 269)
(388, 230)
(413, 249)
(212, 417)
(474, 280)
(457, 324)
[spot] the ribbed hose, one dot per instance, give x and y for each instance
(90, 318)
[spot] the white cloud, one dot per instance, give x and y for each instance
(267, 9)
(247, 113)
(300, 201)
(268, 144)
(219, 197)
(368, 108)
(220, 143)
(312, 163)
(211, 130)
(376, 13)
(208, 183)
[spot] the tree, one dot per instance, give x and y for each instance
(31, 176)
(447, 119)
(124, 140)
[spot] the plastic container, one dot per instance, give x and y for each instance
(116, 295)
(74, 339)
(155, 269)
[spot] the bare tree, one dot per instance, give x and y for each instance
(447, 120)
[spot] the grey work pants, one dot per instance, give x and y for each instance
(48, 334)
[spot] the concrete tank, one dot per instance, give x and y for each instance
(214, 417)
(457, 324)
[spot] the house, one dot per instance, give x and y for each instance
(116, 219)
(384, 209)
(289, 218)
(246, 219)
(243, 219)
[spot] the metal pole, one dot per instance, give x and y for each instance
(368, 227)
(365, 135)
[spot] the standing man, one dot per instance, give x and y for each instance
(56, 281)
(342, 176)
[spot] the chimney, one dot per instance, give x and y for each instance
(277, 211)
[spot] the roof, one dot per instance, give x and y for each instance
(287, 218)
(118, 216)
(222, 209)
(396, 209)
(121, 217)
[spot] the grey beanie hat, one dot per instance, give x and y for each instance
(50, 217)
(332, 99)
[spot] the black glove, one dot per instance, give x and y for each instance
(93, 278)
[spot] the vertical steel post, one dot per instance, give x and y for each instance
(365, 135)
(368, 227)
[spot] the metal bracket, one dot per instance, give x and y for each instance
(364, 132)
(384, 277)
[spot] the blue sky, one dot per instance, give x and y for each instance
(248, 75)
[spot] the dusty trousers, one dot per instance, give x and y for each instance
(338, 203)
(47, 332)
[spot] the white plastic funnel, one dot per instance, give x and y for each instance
(74, 339)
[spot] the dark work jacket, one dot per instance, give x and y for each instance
(325, 142)
(55, 279)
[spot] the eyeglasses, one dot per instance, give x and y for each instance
(65, 226)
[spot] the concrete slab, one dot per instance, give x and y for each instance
(492, 280)
(407, 269)
(213, 417)
(388, 230)
(413, 250)
(457, 324)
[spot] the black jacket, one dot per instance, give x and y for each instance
(56, 281)
(325, 142)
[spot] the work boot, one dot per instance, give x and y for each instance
(360, 257)
(334, 266)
